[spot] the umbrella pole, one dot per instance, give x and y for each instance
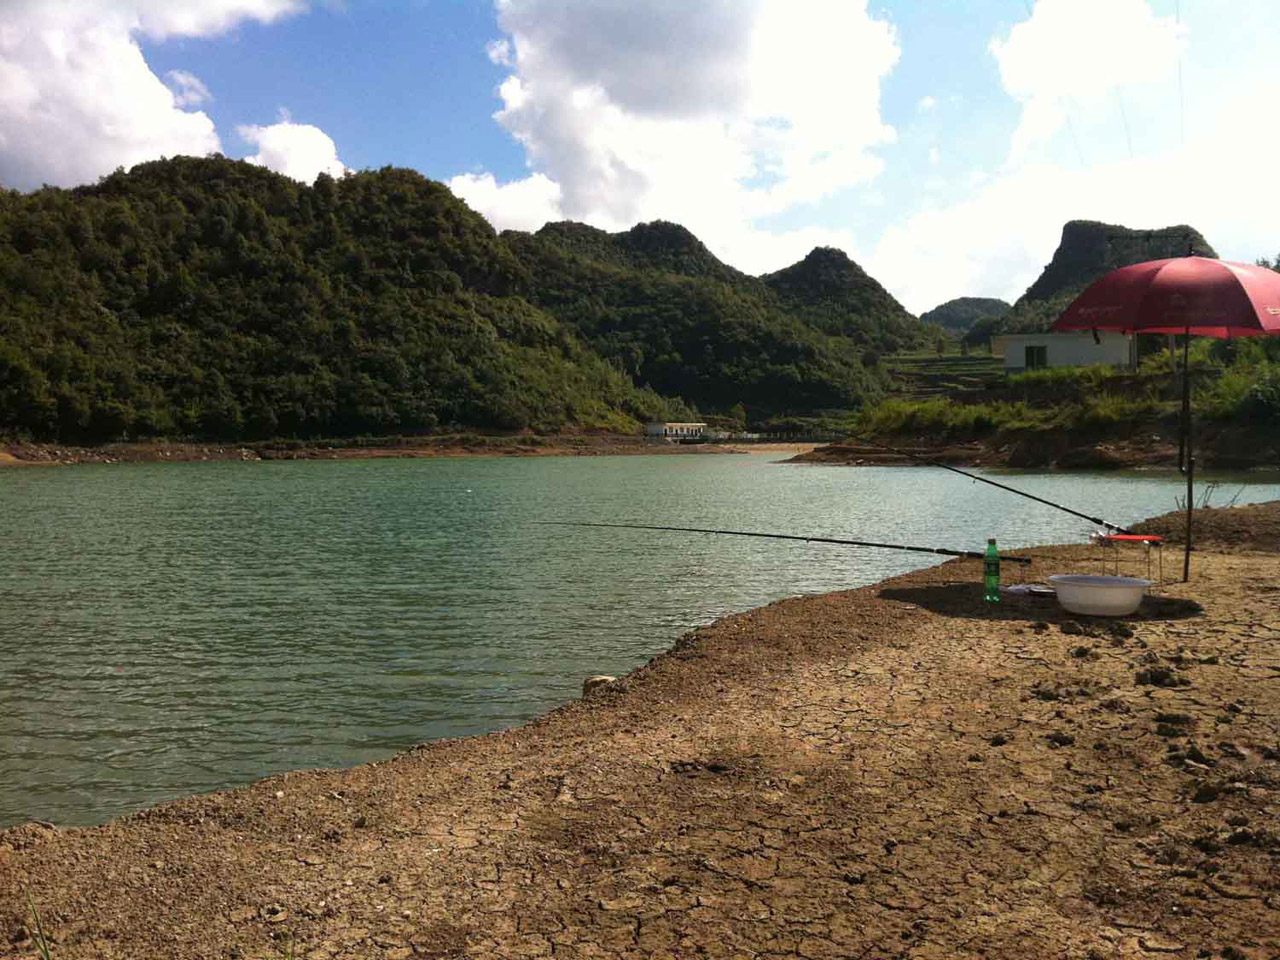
(1185, 460)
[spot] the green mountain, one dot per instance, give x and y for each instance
(717, 337)
(960, 313)
(833, 294)
(1088, 250)
(213, 298)
(660, 245)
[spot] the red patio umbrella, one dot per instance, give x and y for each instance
(1192, 296)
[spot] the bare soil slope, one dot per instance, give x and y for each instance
(900, 770)
(1252, 527)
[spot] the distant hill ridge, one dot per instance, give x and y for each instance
(657, 245)
(1089, 249)
(837, 296)
(960, 313)
(212, 298)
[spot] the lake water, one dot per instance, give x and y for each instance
(168, 629)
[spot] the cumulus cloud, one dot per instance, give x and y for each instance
(1070, 54)
(191, 90)
(926, 104)
(520, 205)
(713, 114)
(77, 98)
(993, 236)
(996, 240)
(298, 150)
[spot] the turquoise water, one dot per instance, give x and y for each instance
(175, 628)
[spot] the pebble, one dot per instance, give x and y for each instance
(594, 684)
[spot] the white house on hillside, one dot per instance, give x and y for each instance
(675, 431)
(1032, 351)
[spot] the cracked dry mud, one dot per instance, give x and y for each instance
(894, 771)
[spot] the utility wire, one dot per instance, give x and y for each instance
(1071, 127)
(1074, 140)
(1182, 103)
(1125, 118)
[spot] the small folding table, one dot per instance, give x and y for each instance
(1148, 540)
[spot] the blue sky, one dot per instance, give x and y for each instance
(942, 144)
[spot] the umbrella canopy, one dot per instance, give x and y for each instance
(1195, 295)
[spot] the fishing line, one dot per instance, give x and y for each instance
(1066, 110)
(1001, 486)
(971, 554)
(1124, 117)
(1182, 103)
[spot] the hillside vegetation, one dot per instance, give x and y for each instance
(944, 398)
(674, 318)
(961, 313)
(212, 298)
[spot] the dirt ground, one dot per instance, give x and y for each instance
(1252, 527)
(896, 771)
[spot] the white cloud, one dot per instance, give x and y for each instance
(499, 52)
(710, 114)
(926, 104)
(996, 230)
(297, 150)
(520, 205)
(191, 90)
(995, 241)
(934, 156)
(1071, 54)
(77, 98)
(161, 19)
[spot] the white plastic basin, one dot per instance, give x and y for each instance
(1099, 596)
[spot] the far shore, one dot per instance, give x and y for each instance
(900, 769)
(1056, 451)
(470, 445)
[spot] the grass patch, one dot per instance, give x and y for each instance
(39, 937)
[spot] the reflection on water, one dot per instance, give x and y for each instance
(174, 628)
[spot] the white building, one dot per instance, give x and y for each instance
(1032, 351)
(675, 431)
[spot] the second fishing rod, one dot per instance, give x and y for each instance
(1001, 486)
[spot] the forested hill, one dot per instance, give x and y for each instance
(212, 298)
(1088, 250)
(960, 313)
(657, 304)
(659, 245)
(834, 294)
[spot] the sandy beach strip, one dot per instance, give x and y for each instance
(32, 454)
(898, 770)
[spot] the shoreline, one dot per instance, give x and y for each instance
(896, 767)
(1055, 453)
(52, 454)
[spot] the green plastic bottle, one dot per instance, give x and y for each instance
(991, 573)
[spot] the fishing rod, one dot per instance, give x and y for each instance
(973, 476)
(972, 554)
